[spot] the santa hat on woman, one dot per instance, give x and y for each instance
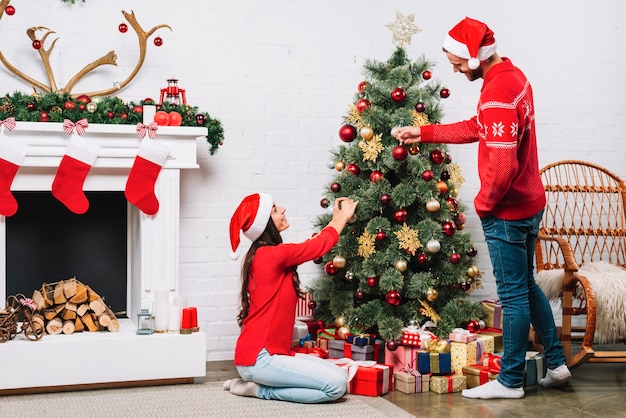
(251, 217)
(471, 40)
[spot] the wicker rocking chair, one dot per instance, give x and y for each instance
(584, 222)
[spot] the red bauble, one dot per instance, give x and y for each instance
(380, 235)
(83, 98)
(400, 215)
(444, 93)
(162, 118)
(426, 75)
(200, 119)
(393, 298)
(445, 174)
(449, 228)
(359, 294)
(81, 106)
(427, 175)
(123, 27)
(455, 258)
(361, 87)
(111, 115)
(330, 268)
(460, 219)
(158, 41)
(414, 149)
(69, 105)
(347, 133)
(474, 326)
(453, 203)
(398, 94)
(423, 259)
(138, 109)
(324, 203)
(420, 107)
(353, 169)
(466, 286)
(371, 281)
(175, 119)
(437, 156)
(124, 115)
(362, 105)
(10, 10)
(392, 345)
(37, 44)
(385, 199)
(312, 304)
(376, 176)
(30, 106)
(335, 187)
(44, 117)
(399, 152)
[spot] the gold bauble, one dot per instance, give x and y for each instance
(339, 262)
(432, 294)
(340, 321)
(401, 265)
(472, 271)
(453, 192)
(367, 133)
(340, 165)
(343, 332)
(414, 149)
(433, 205)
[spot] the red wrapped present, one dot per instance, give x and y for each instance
(367, 377)
(416, 337)
(478, 374)
(403, 356)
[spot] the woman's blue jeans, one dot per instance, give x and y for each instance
(511, 246)
(301, 378)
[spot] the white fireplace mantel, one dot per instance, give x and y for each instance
(153, 248)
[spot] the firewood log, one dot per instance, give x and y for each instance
(91, 295)
(69, 288)
(37, 318)
(81, 294)
(67, 314)
(53, 312)
(59, 297)
(78, 325)
(88, 321)
(68, 327)
(97, 306)
(55, 326)
(82, 309)
(40, 300)
(46, 292)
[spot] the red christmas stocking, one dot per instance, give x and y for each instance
(12, 154)
(67, 186)
(143, 175)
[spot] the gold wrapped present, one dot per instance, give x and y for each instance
(413, 382)
(448, 384)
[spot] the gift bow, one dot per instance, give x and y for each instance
(461, 331)
(491, 361)
(80, 125)
(8, 123)
(150, 128)
(437, 346)
(352, 366)
(410, 370)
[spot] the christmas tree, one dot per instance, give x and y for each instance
(403, 259)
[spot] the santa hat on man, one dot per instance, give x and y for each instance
(471, 40)
(251, 217)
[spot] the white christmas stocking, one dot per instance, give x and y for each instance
(12, 154)
(139, 191)
(80, 155)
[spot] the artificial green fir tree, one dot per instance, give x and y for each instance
(403, 259)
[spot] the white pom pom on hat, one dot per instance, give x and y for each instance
(250, 217)
(472, 40)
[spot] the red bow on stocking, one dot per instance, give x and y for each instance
(80, 125)
(9, 123)
(150, 128)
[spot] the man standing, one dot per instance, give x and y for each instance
(510, 201)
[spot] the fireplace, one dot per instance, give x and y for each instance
(151, 263)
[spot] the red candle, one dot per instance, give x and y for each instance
(194, 319)
(186, 321)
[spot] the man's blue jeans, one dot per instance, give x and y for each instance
(301, 378)
(511, 247)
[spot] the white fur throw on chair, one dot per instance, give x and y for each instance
(609, 287)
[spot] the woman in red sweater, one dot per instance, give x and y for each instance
(510, 201)
(268, 367)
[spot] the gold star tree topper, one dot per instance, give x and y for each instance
(403, 29)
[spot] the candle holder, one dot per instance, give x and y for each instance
(145, 319)
(172, 93)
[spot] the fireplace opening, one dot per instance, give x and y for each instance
(46, 242)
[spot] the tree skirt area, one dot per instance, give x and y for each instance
(186, 400)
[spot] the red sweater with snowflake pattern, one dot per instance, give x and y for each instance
(273, 300)
(504, 126)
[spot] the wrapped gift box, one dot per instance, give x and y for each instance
(534, 369)
(403, 357)
(374, 380)
(493, 313)
(361, 339)
(477, 374)
(461, 335)
(342, 348)
(435, 363)
(413, 382)
(300, 330)
(465, 354)
(448, 384)
(488, 343)
(416, 337)
(498, 347)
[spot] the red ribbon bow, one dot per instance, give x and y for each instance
(150, 128)
(8, 123)
(80, 125)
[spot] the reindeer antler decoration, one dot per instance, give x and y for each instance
(109, 59)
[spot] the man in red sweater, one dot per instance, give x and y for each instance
(510, 201)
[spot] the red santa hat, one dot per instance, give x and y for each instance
(471, 40)
(251, 217)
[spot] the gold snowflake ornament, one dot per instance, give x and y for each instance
(372, 148)
(366, 244)
(428, 311)
(419, 118)
(455, 174)
(408, 238)
(354, 118)
(403, 29)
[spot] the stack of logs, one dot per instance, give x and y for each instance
(70, 306)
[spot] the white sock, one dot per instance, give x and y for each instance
(556, 377)
(493, 390)
(227, 383)
(242, 388)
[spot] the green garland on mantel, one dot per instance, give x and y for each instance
(55, 107)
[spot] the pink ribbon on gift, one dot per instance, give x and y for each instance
(413, 372)
(8, 123)
(80, 126)
(150, 129)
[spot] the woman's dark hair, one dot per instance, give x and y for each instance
(270, 236)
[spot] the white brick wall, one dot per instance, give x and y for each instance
(281, 74)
